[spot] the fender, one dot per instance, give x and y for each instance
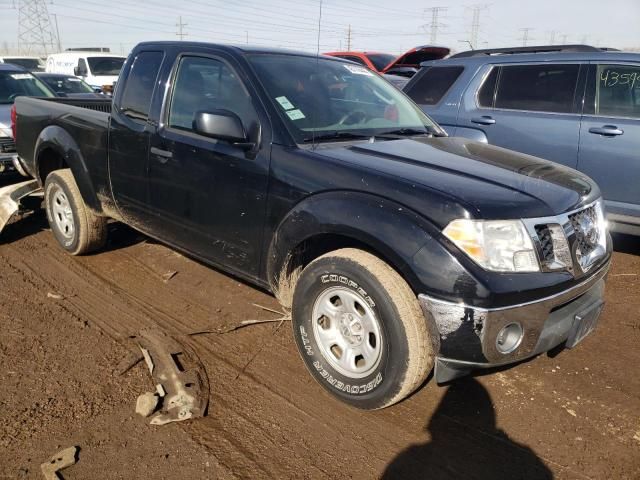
(472, 134)
(58, 139)
(406, 240)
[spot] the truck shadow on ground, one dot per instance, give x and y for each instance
(626, 243)
(466, 443)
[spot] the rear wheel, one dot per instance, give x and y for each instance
(360, 329)
(76, 228)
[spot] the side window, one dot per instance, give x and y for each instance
(433, 84)
(82, 67)
(618, 91)
(488, 89)
(204, 85)
(138, 88)
(544, 88)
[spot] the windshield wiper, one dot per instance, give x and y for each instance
(337, 135)
(410, 132)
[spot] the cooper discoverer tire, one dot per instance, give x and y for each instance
(360, 329)
(77, 229)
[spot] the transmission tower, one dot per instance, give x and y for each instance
(35, 31)
(435, 25)
(475, 23)
(525, 35)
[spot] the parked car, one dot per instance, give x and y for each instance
(68, 85)
(396, 80)
(33, 64)
(575, 105)
(14, 81)
(100, 70)
(396, 247)
(406, 65)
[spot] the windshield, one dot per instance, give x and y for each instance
(105, 65)
(15, 84)
(66, 84)
(317, 97)
(28, 63)
(380, 60)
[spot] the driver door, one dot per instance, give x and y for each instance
(208, 196)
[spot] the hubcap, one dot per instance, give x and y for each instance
(347, 332)
(62, 213)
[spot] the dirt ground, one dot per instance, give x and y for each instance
(576, 415)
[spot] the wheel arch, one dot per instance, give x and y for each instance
(56, 149)
(329, 221)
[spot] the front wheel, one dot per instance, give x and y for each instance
(360, 329)
(76, 228)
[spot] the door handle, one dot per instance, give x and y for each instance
(484, 120)
(607, 131)
(163, 155)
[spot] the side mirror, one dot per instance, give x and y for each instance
(222, 125)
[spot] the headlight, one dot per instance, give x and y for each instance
(496, 245)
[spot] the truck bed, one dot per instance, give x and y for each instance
(79, 125)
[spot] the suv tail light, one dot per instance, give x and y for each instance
(14, 126)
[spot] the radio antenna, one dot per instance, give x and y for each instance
(313, 129)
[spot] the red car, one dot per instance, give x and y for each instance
(405, 65)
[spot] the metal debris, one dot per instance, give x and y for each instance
(147, 404)
(10, 198)
(59, 461)
(181, 380)
(55, 296)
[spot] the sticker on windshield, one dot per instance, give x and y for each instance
(20, 76)
(358, 70)
(295, 115)
(285, 103)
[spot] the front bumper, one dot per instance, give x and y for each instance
(467, 335)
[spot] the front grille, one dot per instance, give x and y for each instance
(585, 224)
(546, 243)
(7, 145)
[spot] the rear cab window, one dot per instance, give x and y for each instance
(613, 91)
(139, 86)
(541, 88)
(433, 84)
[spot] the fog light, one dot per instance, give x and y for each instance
(509, 338)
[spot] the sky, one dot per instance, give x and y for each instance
(375, 25)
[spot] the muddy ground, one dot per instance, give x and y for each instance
(576, 415)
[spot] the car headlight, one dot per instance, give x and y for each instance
(496, 245)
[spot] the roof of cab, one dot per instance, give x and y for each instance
(238, 49)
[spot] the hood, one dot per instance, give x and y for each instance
(5, 120)
(100, 80)
(486, 181)
(414, 57)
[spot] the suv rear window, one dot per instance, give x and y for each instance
(545, 88)
(433, 84)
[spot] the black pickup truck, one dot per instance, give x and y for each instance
(397, 248)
